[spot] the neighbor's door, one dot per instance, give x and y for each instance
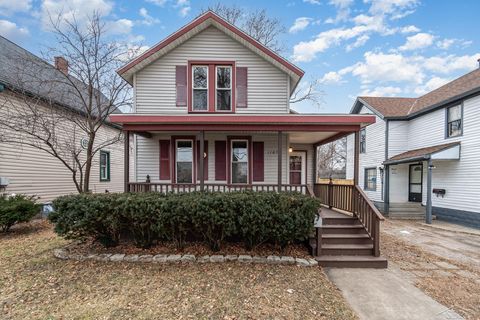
(415, 183)
(297, 168)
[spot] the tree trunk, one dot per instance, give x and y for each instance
(88, 163)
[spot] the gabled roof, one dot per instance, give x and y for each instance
(202, 22)
(393, 107)
(23, 71)
(420, 154)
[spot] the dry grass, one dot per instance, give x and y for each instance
(34, 285)
(457, 287)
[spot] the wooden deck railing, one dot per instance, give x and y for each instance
(352, 199)
(179, 187)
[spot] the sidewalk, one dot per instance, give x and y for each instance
(387, 294)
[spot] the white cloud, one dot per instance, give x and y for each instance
(159, 3)
(331, 77)
(388, 91)
(300, 24)
(11, 31)
(7, 7)
(392, 7)
(409, 29)
(183, 6)
(148, 20)
(184, 11)
(445, 43)
(69, 9)
(120, 26)
(312, 1)
(358, 43)
(450, 63)
(343, 10)
(418, 41)
(432, 84)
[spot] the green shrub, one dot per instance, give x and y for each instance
(16, 209)
(253, 217)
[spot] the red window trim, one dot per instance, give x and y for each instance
(250, 157)
(173, 152)
(211, 84)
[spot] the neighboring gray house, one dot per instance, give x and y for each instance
(27, 169)
(423, 151)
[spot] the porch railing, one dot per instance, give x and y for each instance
(181, 187)
(351, 198)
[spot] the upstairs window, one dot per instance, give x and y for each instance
(363, 141)
(200, 88)
(454, 121)
(224, 88)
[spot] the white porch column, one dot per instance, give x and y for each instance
(428, 215)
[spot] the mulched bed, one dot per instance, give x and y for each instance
(195, 248)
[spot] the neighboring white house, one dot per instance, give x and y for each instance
(27, 170)
(439, 133)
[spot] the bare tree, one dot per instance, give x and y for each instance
(62, 112)
(331, 159)
(268, 31)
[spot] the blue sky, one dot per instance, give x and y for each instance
(363, 47)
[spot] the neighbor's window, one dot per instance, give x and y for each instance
(370, 179)
(454, 121)
(104, 166)
(363, 141)
(184, 161)
(224, 88)
(200, 88)
(239, 161)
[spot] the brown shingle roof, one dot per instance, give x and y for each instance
(422, 152)
(401, 107)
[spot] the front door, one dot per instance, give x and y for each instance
(415, 183)
(297, 165)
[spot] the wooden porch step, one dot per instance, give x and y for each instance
(352, 262)
(347, 249)
(343, 229)
(346, 238)
(340, 220)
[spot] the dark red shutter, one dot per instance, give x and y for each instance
(205, 160)
(242, 84)
(181, 85)
(164, 159)
(258, 161)
(220, 160)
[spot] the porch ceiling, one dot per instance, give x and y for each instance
(309, 137)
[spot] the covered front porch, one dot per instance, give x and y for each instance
(236, 152)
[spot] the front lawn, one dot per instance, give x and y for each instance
(35, 285)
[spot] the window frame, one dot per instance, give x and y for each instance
(365, 179)
(107, 165)
(447, 122)
(193, 86)
(364, 143)
(192, 141)
(212, 89)
(248, 162)
(224, 89)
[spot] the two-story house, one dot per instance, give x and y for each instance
(212, 112)
(421, 156)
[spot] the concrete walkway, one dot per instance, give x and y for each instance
(387, 294)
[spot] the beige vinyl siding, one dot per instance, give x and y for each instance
(35, 172)
(148, 156)
(155, 84)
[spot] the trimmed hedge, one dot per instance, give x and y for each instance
(214, 217)
(15, 209)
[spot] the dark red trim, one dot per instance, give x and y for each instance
(240, 127)
(165, 159)
(195, 23)
(229, 157)
(212, 84)
(243, 119)
(258, 163)
(174, 156)
(331, 139)
(220, 160)
(205, 160)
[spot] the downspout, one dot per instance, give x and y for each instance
(428, 216)
(386, 174)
